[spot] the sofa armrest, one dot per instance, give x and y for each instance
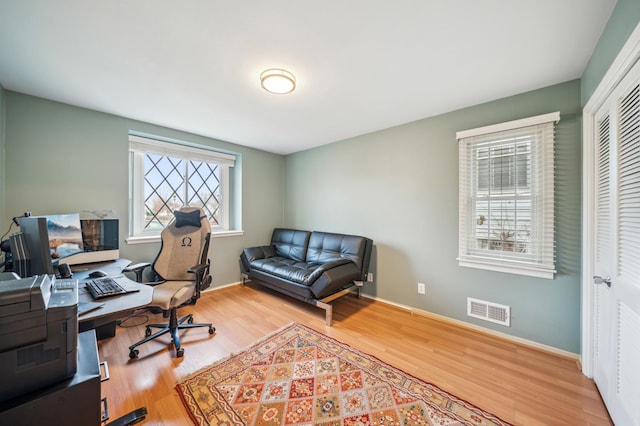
(334, 279)
(324, 268)
(339, 274)
(253, 253)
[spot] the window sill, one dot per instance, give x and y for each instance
(156, 238)
(518, 269)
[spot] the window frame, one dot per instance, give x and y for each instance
(540, 262)
(139, 146)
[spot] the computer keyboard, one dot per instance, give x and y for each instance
(104, 287)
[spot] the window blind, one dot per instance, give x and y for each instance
(146, 145)
(506, 197)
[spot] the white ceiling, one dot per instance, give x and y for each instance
(361, 65)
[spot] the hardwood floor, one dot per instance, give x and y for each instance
(521, 385)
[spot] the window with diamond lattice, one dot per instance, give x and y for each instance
(167, 176)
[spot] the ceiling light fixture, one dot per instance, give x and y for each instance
(278, 81)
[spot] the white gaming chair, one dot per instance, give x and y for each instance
(181, 271)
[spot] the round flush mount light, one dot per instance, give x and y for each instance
(278, 81)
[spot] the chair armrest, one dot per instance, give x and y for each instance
(137, 268)
(201, 272)
(198, 268)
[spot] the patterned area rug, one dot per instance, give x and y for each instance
(298, 376)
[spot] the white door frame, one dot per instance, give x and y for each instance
(625, 60)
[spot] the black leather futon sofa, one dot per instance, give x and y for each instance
(315, 267)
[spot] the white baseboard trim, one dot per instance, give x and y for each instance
(442, 318)
(221, 287)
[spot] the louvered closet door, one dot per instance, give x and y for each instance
(617, 252)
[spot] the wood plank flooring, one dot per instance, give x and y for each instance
(521, 385)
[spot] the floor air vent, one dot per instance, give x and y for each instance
(500, 314)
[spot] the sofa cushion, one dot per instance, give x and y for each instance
(299, 291)
(282, 267)
(290, 243)
(325, 247)
(291, 270)
(328, 282)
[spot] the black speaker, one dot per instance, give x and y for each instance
(20, 257)
(64, 270)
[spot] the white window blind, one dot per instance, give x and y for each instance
(145, 145)
(506, 197)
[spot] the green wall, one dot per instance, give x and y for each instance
(623, 21)
(399, 186)
(61, 159)
(2, 162)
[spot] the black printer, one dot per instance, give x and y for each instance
(38, 333)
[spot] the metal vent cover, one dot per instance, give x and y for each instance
(489, 311)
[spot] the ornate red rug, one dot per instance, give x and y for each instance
(297, 376)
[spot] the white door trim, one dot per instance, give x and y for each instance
(627, 57)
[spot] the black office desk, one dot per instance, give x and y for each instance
(103, 319)
(77, 401)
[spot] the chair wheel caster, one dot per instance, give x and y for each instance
(133, 354)
(147, 332)
(212, 330)
(190, 320)
(180, 353)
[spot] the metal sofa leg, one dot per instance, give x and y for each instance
(328, 316)
(328, 311)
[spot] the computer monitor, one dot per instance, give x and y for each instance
(65, 235)
(100, 234)
(50, 239)
(100, 242)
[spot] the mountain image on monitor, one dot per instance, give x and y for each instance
(65, 235)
